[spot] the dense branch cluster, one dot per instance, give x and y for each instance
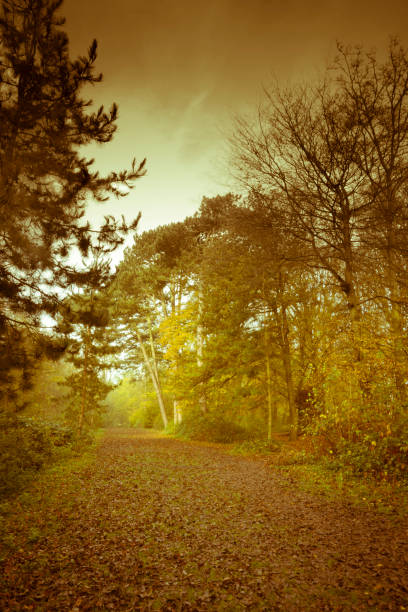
(45, 181)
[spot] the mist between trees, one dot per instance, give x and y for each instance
(283, 309)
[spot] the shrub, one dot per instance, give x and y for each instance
(210, 428)
(370, 443)
(258, 446)
(25, 445)
(57, 433)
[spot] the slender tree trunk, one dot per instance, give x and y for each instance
(152, 369)
(153, 352)
(395, 317)
(352, 294)
(287, 365)
(84, 393)
(268, 380)
(269, 389)
(177, 412)
(275, 402)
(177, 408)
(200, 348)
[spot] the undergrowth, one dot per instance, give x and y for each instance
(28, 445)
(386, 497)
(333, 477)
(257, 446)
(210, 428)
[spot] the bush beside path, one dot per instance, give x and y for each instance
(154, 523)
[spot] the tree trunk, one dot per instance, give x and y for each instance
(177, 413)
(200, 349)
(269, 389)
(395, 318)
(287, 362)
(268, 382)
(152, 369)
(351, 293)
(84, 380)
(287, 365)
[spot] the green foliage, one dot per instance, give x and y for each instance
(24, 357)
(267, 308)
(147, 413)
(47, 400)
(367, 441)
(381, 457)
(121, 401)
(132, 402)
(86, 407)
(158, 422)
(46, 185)
(57, 433)
(44, 122)
(25, 446)
(258, 447)
(210, 428)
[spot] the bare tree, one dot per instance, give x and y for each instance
(303, 149)
(377, 100)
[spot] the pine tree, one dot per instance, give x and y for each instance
(45, 183)
(91, 350)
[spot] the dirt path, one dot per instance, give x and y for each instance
(158, 524)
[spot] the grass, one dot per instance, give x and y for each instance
(320, 475)
(65, 463)
(385, 497)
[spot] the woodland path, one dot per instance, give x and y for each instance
(153, 523)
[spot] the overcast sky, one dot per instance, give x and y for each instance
(180, 69)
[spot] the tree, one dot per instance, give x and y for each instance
(377, 100)
(331, 161)
(301, 156)
(335, 156)
(151, 284)
(272, 262)
(91, 350)
(21, 351)
(47, 400)
(45, 182)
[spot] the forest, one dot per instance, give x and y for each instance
(273, 318)
(281, 309)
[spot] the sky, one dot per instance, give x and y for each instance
(181, 70)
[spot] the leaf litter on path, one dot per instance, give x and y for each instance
(158, 524)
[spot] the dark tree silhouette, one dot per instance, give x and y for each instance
(45, 183)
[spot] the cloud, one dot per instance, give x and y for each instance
(191, 132)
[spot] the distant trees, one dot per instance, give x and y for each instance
(91, 349)
(150, 286)
(195, 295)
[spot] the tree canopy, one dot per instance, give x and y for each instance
(45, 181)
